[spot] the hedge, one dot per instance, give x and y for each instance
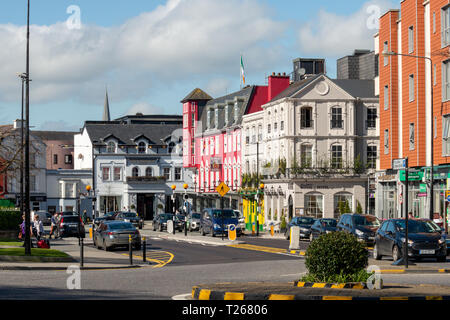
(10, 220)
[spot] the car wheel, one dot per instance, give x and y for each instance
(376, 253)
(105, 247)
(396, 255)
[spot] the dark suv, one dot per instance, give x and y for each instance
(69, 225)
(424, 241)
(363, 227)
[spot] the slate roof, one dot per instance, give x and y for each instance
(55, 135)
(294, 88)
(197, 94)
(127, 133)
(244, 94)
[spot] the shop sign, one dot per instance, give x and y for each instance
(412, 175)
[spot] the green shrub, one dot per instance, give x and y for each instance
(361, 276)
(10, 220)
(336, 254)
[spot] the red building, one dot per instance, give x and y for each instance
(212, 137)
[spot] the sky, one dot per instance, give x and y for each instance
(150, 54)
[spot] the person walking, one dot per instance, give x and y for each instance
(54, 228)
(37, 228)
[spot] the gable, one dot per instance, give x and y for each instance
(322, 89)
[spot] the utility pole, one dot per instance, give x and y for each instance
(27, 142)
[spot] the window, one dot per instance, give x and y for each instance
(371, 118)
(268, 129)
(236, 111)
(411, 87)
(386, 141)
(166, 173)
(171, 147)
(282, 126)
(216, 118)
(260, 133)
(306, 118)
(253, 134)
(336, 118)
(411, 39)
(446, 135)
(117, 173)
(386, 49)
(434, 22)
(275, 127)
(345, 199)
(386, 97)
(208, 120)
(446, 80)
(135, 172)
(68, 159)
(69, 190)
(336, 156)
(178, 174)
(142, 147)
(314, 205)
(371, 157)
(149, 172)
(55, 159)
(445, 26)
(411, 137)
(105, 174)
(111, 147)
(33, 186)
(306, 156)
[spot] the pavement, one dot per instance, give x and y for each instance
(95, 259)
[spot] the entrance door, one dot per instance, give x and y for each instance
(145, 206)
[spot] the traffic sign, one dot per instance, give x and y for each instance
(232, 232)
(223, 189)
(447, 195)
(399, 164)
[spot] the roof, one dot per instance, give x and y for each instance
(357, 88)
(55, 135)
(195, 95)
(244, 97)
(126, 133)
(294, 88)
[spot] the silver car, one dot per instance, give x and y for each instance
(193, 221)
(112, 234)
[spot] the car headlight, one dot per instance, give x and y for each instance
(442, 241)
(359, 233)
(126, 220)
(216, 226)
(410, 242)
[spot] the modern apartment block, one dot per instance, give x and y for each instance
(414, 105)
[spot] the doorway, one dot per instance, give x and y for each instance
(145, 206)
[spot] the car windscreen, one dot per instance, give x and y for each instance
(120, 226)
(305, 221)
(433, 225)
(166, 216)
(329, 223)
(70, 219)
(367, 221)
(130, 214)
(226, 214)
(415, 226)
(196, 216)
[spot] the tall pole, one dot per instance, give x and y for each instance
(22, 208)
(27, 141)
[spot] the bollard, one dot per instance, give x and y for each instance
(81, 253)
(185, 226)
(144, 249)
(130, 250)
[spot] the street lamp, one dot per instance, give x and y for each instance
(390, 54)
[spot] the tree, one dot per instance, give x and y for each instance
(358, 207)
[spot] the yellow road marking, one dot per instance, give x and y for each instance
(336, 298)
(258, 248)
(161, 258)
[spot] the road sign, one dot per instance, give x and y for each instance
(447, 195)
(399, 164)
(223, 189)
(232, 232)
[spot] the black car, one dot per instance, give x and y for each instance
(107, 216)
(424, 241)
(131, 217)
(160, 222)
(304, 223)
(363, 227)
(71, 226)
(322, 226)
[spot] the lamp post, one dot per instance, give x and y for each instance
(185, 186)
(27, 140)
(391, 53)
(174, 187)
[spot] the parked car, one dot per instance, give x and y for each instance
(111, 234)
(363, 227)
(304, 223)
(68, 213)
(424, 241)
(212, 219)
(68, 227)
(193, 221)
(322, 226)
(131, 217)
(107, 216)
(160, 222)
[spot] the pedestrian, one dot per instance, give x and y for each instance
(54, 227)
(22, 230)
(37, 228)
(84, 216)
(410, 215)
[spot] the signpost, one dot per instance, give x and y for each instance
(222, 189)
(447, 198)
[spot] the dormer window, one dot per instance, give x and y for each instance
(236, 111)
(216, 117)
(208, 119)
(142, 147)
(111, 148)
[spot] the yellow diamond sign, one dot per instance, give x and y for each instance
(223, 189)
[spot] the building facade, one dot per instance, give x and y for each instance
(414, 107)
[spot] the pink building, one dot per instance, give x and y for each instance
(60, 148)
(213, 141)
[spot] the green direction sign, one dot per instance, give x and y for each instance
(412, 175)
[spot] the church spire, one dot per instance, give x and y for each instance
(106, 115)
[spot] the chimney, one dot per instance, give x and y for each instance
(277, 84)
(18, 124)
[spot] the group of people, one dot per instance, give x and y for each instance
(37, 227)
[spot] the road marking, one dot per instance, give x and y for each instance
(257, 248)
(161, 258)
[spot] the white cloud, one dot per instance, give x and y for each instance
(338, 35)
(144, 108)
(174, 42)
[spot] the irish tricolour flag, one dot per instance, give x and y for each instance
(242, 71)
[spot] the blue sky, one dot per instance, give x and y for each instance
(151, 54)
